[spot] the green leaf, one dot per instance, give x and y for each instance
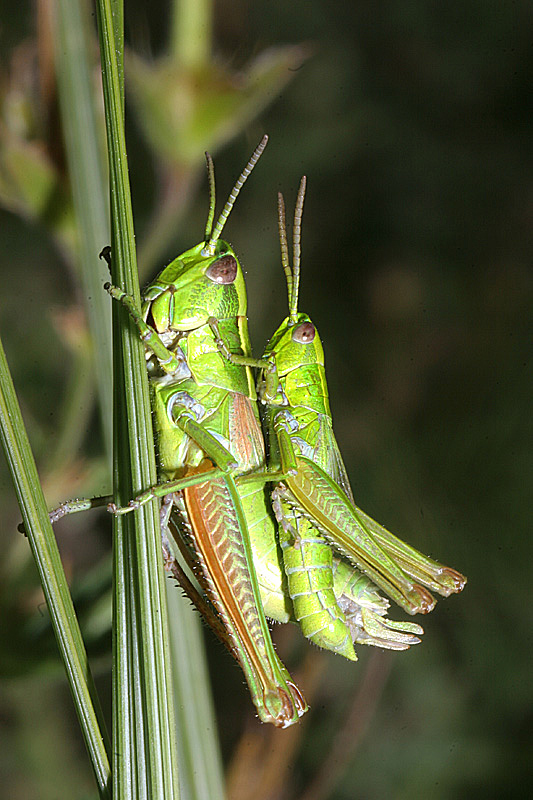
(44, 548)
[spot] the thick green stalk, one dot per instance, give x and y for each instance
(44, 548)
(144, 747)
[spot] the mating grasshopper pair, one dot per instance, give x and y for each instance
(323, 561)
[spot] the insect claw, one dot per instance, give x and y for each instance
(105, 253)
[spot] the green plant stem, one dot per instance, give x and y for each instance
(144, 729)
(44, 548)
(191, 33)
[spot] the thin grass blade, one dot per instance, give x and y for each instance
(44, 548)
(201, 773)
(87, 170)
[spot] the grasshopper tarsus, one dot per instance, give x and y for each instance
(119, 511)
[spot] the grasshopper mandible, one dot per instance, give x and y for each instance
(313, 490)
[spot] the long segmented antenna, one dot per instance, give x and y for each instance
(284, 247)
(212, 196)
(209, 249)
(292, 275)
(296, 247)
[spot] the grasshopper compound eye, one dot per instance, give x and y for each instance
(224, 270)
(304, 333)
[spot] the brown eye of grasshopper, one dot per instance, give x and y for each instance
(224, 270)
(304, 333)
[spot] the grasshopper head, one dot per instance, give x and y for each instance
(295, 344)
(194, 287)
(205, 281)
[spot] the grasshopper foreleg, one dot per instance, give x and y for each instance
(168, 361)
(268, 366)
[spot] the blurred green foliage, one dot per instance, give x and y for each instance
(413, 124)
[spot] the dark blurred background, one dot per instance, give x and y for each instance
(413, 123)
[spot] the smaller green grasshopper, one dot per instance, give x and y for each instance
(335, 604)
(313, 496)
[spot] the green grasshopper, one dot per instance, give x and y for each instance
(187, 314)
(187, 334)
(204, 404)
(208, 433)
(312, 499)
